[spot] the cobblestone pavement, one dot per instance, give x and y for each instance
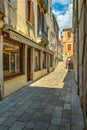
(50, 103)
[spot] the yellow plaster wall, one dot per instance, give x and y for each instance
(14, 84)
(50, 69)
(39, 74)
(67, 41)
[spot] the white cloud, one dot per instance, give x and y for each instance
(62, 1)
(64, 19)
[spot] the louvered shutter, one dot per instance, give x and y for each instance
(33, 13)
(30, 13)
(27, 10)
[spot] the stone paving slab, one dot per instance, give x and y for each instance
(51, 103)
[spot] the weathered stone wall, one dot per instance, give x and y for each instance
(82, 25)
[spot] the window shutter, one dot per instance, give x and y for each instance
(33, 13)
(27, 10)
(31, 18)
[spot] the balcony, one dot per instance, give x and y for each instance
(44, 4)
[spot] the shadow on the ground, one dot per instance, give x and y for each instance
(42, 108)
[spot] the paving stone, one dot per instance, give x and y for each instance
(37, 114)
(25, 117)
(30, 125)
(17, 126)
(56, 121)
(18, 113)
(41, 125)
(35, 118)
(3, 127)
(10, 121)
(45, 117)
(27, 129)
(53, 127)
(65, 126)
(61, 103)
(77, 120)
(76, 127)
(66, 120)
(67, 106)
(7, 114)
(2, 119)
(57, 114)
(57, 108)
(66, 114)
(29, 110)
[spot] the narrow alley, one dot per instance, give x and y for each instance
(50, 103)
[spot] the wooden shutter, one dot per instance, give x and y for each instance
(30, 11)
(27, 10)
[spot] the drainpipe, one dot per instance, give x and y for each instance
(77, 31)
(2, 15)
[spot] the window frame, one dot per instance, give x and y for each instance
(69, 47)
(12, 75)
(69, 34)
(30, 11)
(36, 60)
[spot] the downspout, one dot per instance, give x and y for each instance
(77, 31)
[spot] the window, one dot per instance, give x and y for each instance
(36, 60)
(39, 21)
(30, 11)
(42, 22)
(69, 34)
(11, 59)
(11, 2)
(69, 47)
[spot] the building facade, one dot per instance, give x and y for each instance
(80, 39)
(54, 39)
(60, 49)
(24, 52)
(53, 33)
(67, 42)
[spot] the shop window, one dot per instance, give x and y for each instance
(11, 59)
(69, 47)
(36, 60)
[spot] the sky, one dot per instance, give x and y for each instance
(63, 12)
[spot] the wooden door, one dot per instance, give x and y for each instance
(29, 64)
